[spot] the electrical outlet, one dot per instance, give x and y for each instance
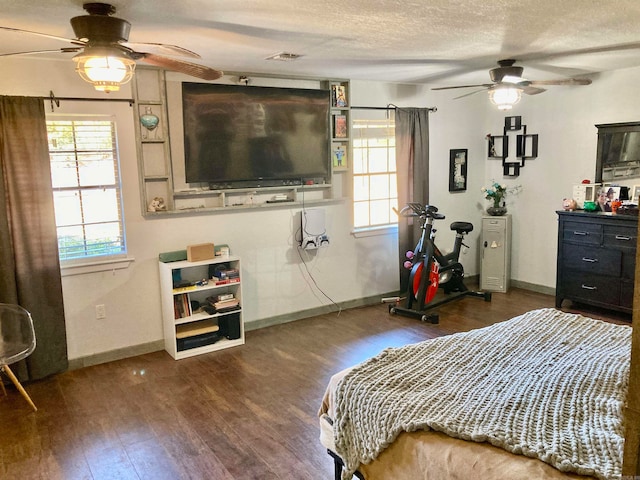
(101, 312)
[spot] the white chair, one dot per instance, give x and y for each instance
(17, 341)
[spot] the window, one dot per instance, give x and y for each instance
(86, 188)
(375, 193)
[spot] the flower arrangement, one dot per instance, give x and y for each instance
(495, 192)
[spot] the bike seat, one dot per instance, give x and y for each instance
(462, 227)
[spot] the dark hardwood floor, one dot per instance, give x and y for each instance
(244, 413)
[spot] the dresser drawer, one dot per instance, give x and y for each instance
(584, 233)
(625, 237)
(592, 260)
(591, 288)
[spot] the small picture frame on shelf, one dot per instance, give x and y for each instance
(339, 157)
(339, 96)
(635, 193)
(458, 169)
(340, 126)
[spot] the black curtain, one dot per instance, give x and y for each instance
(30, 267)
(412, 163)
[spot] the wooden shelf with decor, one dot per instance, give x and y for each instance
(340, 124)
(152, 134)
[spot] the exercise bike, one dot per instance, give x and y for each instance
(431, 269)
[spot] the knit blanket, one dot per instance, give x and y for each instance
(546, 384)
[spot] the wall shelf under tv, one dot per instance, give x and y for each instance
(260, 197)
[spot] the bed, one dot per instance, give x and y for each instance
(539, 396)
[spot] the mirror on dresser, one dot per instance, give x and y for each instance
(618, 155)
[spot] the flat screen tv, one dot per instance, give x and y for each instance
(243, 136)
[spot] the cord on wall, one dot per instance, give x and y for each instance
(300, 234)
(315, 283)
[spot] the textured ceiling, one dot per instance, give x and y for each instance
(412, 41)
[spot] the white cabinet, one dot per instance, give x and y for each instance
(201, 306)
(495, 268)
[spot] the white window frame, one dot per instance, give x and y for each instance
(91, 263)
(364, 128)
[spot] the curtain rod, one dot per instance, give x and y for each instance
(53, 99)
(390, 106)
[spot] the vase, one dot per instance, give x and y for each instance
(149, 121)
(496, 211)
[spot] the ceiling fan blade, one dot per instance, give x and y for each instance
(188, 68)
(486, 85)
(35, 52)
(529, 90)
(45, 35)
(160, 49)
(469, 94)
(565, 81)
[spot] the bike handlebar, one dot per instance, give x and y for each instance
(419, 210)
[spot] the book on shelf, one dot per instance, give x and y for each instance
(181, 306)
(196, 328)
(338, 96)
(187, 288)
(339, 156)
(340, 126)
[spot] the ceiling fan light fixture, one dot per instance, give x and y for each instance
(105, 68)
(504, 96)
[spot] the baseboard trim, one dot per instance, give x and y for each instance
(118, 354)
(312, 312)
(158, 345)
(533, 287)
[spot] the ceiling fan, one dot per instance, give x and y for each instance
(508, 84)
(106, 59)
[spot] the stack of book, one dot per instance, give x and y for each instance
(227, 305)
(197, 334)
(231, 275)
(224, 303)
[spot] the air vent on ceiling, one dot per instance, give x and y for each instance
(284, 56)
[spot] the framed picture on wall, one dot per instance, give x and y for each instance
(340, 126)
(458, 170)
(339, 157)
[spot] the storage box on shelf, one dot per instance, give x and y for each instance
(201, 306)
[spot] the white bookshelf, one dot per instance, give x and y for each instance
(189, 332)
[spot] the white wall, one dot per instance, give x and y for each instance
(275, 281)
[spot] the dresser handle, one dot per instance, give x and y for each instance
(581, 233)
(590, 260)
(623, 237)
(588, 287)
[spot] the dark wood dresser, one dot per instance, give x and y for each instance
(596, 259)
